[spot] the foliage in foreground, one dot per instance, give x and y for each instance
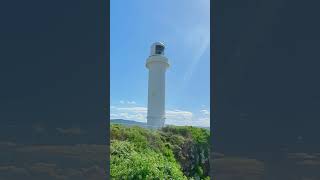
(170, 153)
(128, 163)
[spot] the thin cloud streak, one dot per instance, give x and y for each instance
(174, 117)
(192, 31)
(198, 39)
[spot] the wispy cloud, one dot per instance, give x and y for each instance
(127, 102)
(205, 112)
(179, 117)
(129, 113)
(190, 35)
(131, 102)
(192, 28)
(175, 117)
(198, 39)
(203, 118)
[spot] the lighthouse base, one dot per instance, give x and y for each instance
(155, 122)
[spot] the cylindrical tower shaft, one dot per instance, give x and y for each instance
(157, 65)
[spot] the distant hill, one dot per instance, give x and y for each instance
(128, 122)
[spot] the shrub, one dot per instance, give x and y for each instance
(170, 153)
(127, 163)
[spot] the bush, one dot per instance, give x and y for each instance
(127, 163)
(191, 148)
(170, 153)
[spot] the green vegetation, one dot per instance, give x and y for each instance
(170, 153)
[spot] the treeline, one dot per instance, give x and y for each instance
(173, 152)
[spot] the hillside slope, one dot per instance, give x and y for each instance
(169, 153)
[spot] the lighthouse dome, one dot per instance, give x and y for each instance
(157, 49)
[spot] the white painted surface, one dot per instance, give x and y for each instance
(157, 65)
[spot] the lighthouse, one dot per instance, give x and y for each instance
(157, 64)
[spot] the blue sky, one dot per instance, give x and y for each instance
(184, 27)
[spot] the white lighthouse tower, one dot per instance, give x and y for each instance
(157, 64)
